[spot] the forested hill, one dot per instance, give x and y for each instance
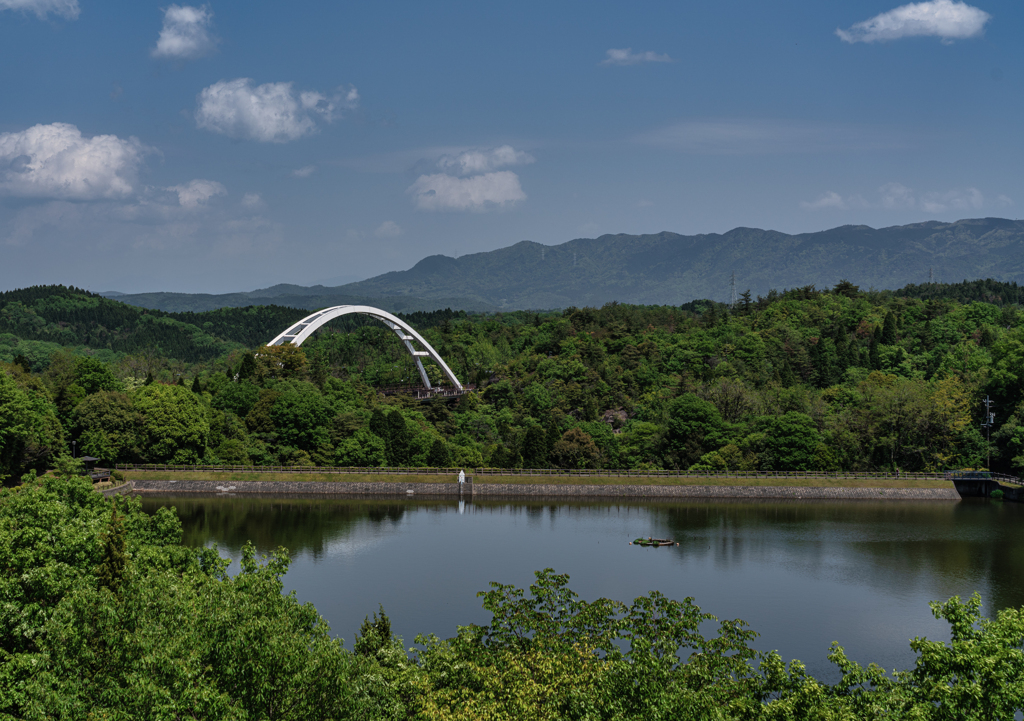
(48, 317)
(36, 321)
(839, 379)
(671, 269)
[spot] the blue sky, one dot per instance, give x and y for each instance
(230, 146)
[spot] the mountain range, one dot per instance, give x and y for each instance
(661, 269)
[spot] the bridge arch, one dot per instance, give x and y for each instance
(302, 330)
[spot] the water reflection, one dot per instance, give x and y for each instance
(802, 573)
(302, 525)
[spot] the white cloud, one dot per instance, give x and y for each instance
(252, 201)
(65, 8)
(269, 113)
(477, 192)
(197, 193)
(626, 56)
(750, 137)
(483, 161)
(897, 195)
(304, 172)
(186, 33)
(830, 199)
(967, 199)
(938, 18)
(56, 161)
(388, 229)
(470, 180)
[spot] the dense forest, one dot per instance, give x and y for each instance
(801, 379)
(108, 616)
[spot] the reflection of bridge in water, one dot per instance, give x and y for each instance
(301, 331)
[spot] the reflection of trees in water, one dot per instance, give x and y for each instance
(298, 524)
(946, 545)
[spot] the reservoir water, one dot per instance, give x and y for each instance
(801, 573)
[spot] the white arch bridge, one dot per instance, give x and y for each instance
(302, 330)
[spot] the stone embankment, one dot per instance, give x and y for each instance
(521, 490)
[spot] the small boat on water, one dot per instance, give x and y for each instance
(656, 542)
(985, 484)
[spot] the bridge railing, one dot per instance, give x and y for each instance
(552, 473)
(421, 393)
(983, 476)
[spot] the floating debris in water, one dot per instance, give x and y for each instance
(656, 542)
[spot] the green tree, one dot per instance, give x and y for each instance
(362, 449)
(30, 434)
(373, 635)
(576, 449)
(239, 398)
(439, 456)
(694, 427)
(398, 437)
(115, 557)
(233, 451)
(874, 360)
(889, 329)
(108, 427)
(175, 428)
(302, 417)
(247, 369)
(535, 447)
(785, 443)
(278, 361)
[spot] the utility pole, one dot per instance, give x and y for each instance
(931, 278)
(990, 419)
(732, 288)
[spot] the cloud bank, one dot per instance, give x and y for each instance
(831, 199)
(470, 180)
(763, 136)
(896, 196)
(388, 229)
(268, 113)
(483, 161)
(626, 56)
(197, 193)
(186, 33)
(65, 8)
(477, 192)
(55, 161)
(943, 19)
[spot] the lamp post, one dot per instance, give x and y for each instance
(990, 419)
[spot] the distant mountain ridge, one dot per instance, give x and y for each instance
(292, 296)
(666, 268)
